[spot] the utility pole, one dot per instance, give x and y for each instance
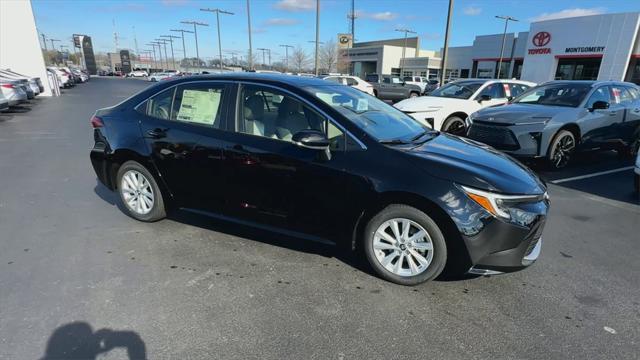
(250, 46)
(171, 37)
(443, 64)
(218, 12)
(115, 35)
(404, 47)
(53, 47)
(317, 34)
(286, 56)
(316, 54)
(195, 32)
(504, 35)
(155, 62)
(148, 52)
(44, 41)
(164, 43)
(352, 18)
(263, 50)
(155, 43)
(184, 49)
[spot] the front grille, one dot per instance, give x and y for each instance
(497, 136)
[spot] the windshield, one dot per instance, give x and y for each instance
(458, 90)
(559, 94)
(378, 119)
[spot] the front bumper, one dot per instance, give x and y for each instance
(433, 119)
(516, 140)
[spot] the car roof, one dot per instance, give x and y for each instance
(592, 83)
(263, 77)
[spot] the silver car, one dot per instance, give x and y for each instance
(13, 91)
(32, 85)
(557, 118)
(4, 102)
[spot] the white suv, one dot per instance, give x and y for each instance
(447, 107)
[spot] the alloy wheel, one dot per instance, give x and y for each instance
(137, 192)
(563, 150)
(403, 247)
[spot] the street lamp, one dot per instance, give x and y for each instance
(218, 12)
(250, 46)
(504, 35)
(404, 46)
(195, 32)
(286, 56)
(317, 34)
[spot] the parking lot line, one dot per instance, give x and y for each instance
(559, 181)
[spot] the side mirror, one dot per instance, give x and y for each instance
(510, 98)
(313, 139)
(404, 83)
(484, 98)
(599, 105)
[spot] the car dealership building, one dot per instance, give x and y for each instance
(596, 47)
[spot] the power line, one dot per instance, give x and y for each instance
(218, 12)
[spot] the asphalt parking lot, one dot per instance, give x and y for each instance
(76, 273)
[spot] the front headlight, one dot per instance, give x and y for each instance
(502, 206)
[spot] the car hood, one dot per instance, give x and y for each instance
(470, 163)
(425, 103)
(521, 113)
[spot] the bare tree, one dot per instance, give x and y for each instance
(328, 56)
(299, 59)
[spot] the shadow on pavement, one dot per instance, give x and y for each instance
(340, 252)
(77, 340)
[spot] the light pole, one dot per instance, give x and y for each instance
(404, 47)
(218, 12)
(504, 35)
(443, 63)
(164, 44)
(316, 54)
(173, 57)
(286, 56)
(317, 34)
(250, 46)
(195, 32)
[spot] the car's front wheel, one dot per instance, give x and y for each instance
(454, 125)
(139, 192)
(561, 149)
(404, 245)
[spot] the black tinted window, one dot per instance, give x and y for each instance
(159, 106)
(495, 90)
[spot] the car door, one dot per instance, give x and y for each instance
(632, 119)
(386, 88)
(204, 106)
(626, 107)
(278, 183)
(598, 125)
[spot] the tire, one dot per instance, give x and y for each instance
(378, 249)
(413, 94)
(454, 125)
(375, 93)
(130, 175)
(630, 151)
(559, 154)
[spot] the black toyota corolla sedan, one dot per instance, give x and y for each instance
(325, 162)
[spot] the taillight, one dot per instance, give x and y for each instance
(96, 122)
(8, 86)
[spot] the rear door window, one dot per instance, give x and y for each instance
(495, 90)
(351, 81)
(517, 89)
(620, 95)
(159, 106)
(198, 103)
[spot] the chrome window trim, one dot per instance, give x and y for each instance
(314, 107)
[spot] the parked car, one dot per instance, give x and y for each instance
(23, 84)
(447, 107)
(324, 162)
(4, 102)
(65, 80)
(37, 81)
(31, 86)
(13, 91)
(81, 75)
(556, 119)
(159, 76)
(138, 73)
(636, 173)
(390, 87)
(425, 84)
(353, 81)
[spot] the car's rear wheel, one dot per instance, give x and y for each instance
(404, 245)
(139, 192)
(454, 125)
(561, 149)
(413, 94)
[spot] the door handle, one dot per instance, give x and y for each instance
(243, 156)
(157, 133)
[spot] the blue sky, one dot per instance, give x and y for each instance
(292, 22)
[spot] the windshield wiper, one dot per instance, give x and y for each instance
(393, 142)
(432, 133)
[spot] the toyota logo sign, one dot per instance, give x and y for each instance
(541, 39)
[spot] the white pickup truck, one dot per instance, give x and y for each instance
(425, 84)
